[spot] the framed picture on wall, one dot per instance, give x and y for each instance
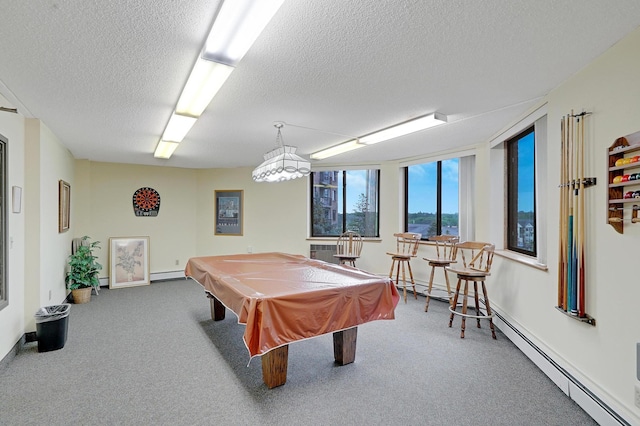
(128, 261)
(64, 205)
(228, 212)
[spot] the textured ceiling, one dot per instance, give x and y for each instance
(104, 76)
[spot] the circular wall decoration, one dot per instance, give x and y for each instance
(146, 202)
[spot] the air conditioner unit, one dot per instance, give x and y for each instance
(323, 252)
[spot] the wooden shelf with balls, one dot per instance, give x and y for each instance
(624, 177)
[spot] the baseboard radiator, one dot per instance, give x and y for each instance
(323, 252)
(599, 410)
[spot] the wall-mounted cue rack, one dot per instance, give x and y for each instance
(571, 243)
(624, 181)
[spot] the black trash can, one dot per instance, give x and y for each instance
(52, 323)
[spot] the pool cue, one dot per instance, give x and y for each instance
(566, 213)
(581, 296)
(576, 219)
(570, 219)
(562, 252)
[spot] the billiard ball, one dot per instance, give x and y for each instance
(625, 178)
(635, 159)
(628, 194)
(619, 162)
(617, 179)
(636, 194)
(633, 176)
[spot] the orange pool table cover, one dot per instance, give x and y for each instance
(282, 298)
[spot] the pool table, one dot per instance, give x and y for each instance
(283, 298)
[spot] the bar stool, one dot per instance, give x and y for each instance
(446, 252)
(406, 248)
(475, 270)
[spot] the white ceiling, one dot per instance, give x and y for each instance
(104, 76)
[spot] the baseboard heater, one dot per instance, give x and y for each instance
(600, 411)
(323, 252)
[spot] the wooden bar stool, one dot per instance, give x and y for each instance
(476, 270)
(406, 248)
(446, 252)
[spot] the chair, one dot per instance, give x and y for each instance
(446, 252)
(476, 269)
(406, 248)
(348, 248)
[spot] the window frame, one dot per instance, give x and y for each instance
(344, 212)
(4, 222)
(511, 193)
(438, 196)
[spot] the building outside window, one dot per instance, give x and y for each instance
(345, 200)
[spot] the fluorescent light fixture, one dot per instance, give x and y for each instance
(237, 26)
(178, 127)
(337, 149)
(165, 149)
(205, 80)
(405, 128)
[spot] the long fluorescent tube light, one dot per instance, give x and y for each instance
(405, 128)
(337, 149)
(237, 26)
(178, 127)
(205, 80)
(165, 149)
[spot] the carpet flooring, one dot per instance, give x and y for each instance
(152, 355)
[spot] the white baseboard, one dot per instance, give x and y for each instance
(172, 275)
(155, 276)
(586, 398)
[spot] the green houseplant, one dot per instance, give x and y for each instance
(82, 274)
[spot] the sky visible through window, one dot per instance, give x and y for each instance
(356, 185)
(526, 173)
(422, 190)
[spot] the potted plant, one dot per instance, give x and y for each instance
(83, 271)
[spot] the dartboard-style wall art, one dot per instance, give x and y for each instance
(146, 202)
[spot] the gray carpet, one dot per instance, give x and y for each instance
(152, 355)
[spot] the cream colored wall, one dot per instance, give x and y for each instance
(604, 356)
(48, 162)
(12, 316)
(104, 209)
(275, 216)
(56, 163)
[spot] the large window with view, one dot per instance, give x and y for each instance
(431, 198)
(521, 198)
(345, 200)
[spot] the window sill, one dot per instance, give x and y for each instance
(334, 239)
(525, 260)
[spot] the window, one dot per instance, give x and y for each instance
(345, 200)
(431, 198)
(521, 198)
(4, 208)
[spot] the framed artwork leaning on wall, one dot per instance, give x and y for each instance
(128, 261)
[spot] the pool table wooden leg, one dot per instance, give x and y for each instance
(274, 366)
(344, 346)
(217, 308)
